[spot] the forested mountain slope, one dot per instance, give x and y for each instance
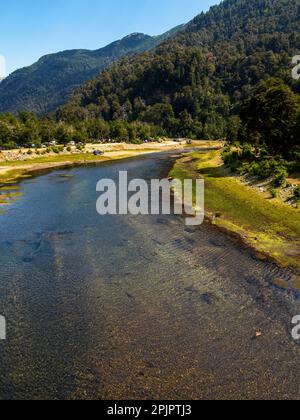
(50, 82)
(194, 83)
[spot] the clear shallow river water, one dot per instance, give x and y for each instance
(121, 307)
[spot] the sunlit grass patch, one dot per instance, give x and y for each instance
(267, 225)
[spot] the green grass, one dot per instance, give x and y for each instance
(55, 159)
(267, 225)
(22, 169)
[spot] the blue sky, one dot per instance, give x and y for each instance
(30, 29)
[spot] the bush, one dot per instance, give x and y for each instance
(263, 169)
(231, 159)
(136, 141)
(248, 153)
(274, 193)
(9, 146)
(267, 168)
(295, 162)
(258, 163)
(297, 192)
(280, 178)
(239, 160)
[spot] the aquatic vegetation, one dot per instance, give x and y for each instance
(8, 194)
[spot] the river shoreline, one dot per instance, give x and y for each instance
(135, 307)
(12, 172)
(228, 204)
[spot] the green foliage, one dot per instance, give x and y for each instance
(254, 161)
(225, 76)
(294, 160)
(270, 117)
(232, 159)
(50, 82)
(235, 159)
(29, 130)
(195, 83)
(274, 193)
(280, 178)
(267, 168)
(297, 192)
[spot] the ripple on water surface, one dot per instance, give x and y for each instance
(135, 307)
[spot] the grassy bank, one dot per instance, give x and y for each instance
(268, 226)
(12, 170)
(15, 170)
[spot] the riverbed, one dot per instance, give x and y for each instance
(135, 307)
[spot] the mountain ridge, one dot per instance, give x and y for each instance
(50, 82)
(194, 82)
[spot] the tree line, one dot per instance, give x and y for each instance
(27, 129)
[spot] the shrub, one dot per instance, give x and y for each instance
(231, 158)
(136, 141)
(295, 163)
(9, 146)
(297, 192)
(274, 193)
(280, 178)
(266, 168)
(248, 153)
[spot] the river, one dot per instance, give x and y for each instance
(124, 307)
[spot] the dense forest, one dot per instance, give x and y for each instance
(28, 130)
(194, 83)
(269, 134)
(50, 82)
(226, 75)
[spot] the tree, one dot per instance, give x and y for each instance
(270, 116)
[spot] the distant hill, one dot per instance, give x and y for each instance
(50, 82)
(195, 81)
